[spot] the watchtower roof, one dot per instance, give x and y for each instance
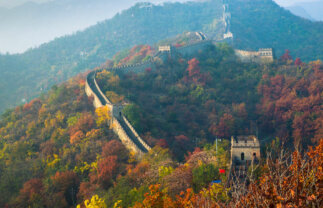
(265, 49)
(246, 141)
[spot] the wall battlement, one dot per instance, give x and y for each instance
(263, 55)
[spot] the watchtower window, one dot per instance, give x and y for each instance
(242, 156)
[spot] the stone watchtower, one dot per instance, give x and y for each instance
(244, 149)
(266, 55)
(245, 152)
(165, 49)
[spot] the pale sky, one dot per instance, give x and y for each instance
(18, 36)
(11, 3)
(291, 2)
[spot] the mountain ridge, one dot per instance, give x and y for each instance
(29, 74)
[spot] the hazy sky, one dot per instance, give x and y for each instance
(290, 2)
(23, 30)
(11, 3)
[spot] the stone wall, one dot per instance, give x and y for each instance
(93, 89)
(136, 68)
(193, 48)
(263, 55)
(126, 141)
(136, 134)
(89, 92)
(247, 56)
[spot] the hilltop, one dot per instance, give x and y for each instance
(262, 23)
(255, 24)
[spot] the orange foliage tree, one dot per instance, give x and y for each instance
(288, 182)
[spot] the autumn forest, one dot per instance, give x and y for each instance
(58, 150)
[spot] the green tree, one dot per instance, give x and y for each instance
(203, 175)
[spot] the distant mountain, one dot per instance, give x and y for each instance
(262, 23)
(24, 76)
(314, 8)
(300, 11)
(254, 24)
(31, 24)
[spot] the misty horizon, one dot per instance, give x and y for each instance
(31, 23)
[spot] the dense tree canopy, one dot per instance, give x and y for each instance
(58, 151)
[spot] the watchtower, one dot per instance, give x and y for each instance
(166, 48)
(266, 55)
(245, 152)
(244, 149)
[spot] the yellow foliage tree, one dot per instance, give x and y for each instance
(114, 81)
(96, 202)
(103, 115)
(132, 157)
(165, 171)
(114, 97)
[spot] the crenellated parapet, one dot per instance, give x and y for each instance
(263, 55)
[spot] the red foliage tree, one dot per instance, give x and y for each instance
(115, 148)
(162, 143)
(31, 194)
(298, 62)
(86, 191)
(286, 56)
(66, 184)
(225, 127)
(193, 67)
(85, 123)
(194, 74)
(106, 171)
(33, 106)
(77, 137)
(290, 107)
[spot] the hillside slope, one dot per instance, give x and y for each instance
(254, 24)
(57, 151)
(26, 75)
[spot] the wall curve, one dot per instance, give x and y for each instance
(119, 123)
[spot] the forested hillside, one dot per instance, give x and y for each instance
(26, 75)
(57, 151)
(215, 95)
(255, 24)
(263, 24)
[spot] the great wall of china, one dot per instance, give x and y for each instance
(119, 123)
